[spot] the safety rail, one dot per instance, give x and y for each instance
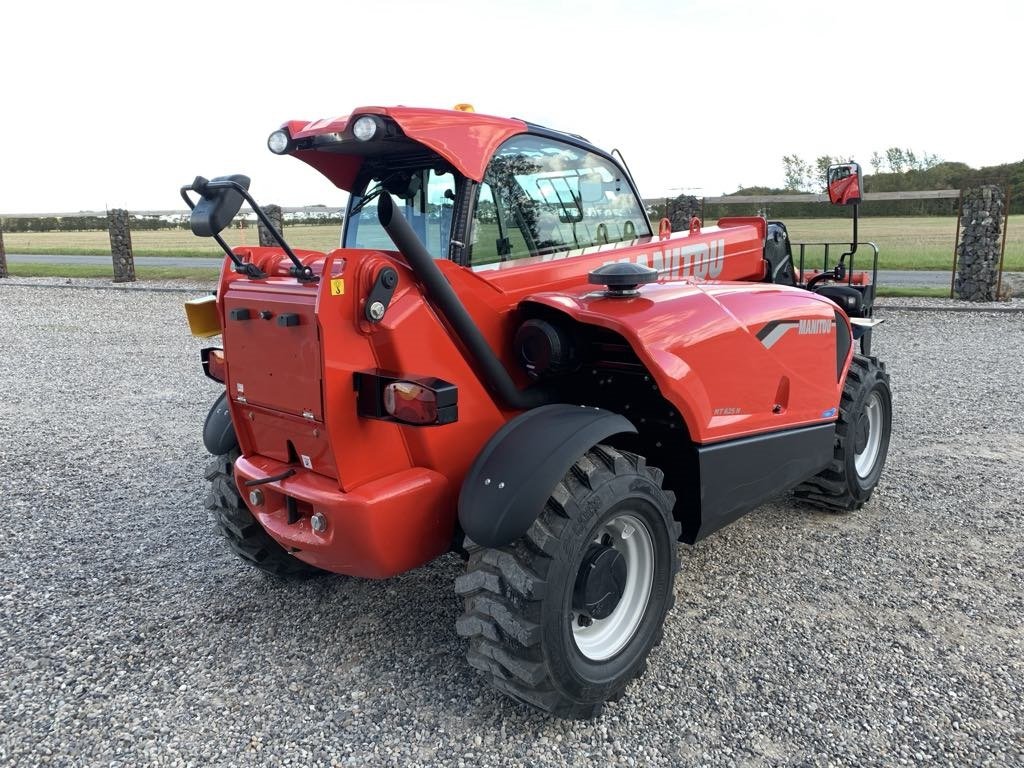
(850, 262)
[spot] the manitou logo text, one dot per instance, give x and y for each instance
(701, 260)
(816, 326)
(774, 330)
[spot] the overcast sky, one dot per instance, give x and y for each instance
(110, 104)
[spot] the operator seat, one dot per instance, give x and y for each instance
(779, 255)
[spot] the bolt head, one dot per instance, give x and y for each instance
(256, 498)
(377, 310)
(319, 522)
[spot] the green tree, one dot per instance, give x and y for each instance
(896, 160)
(798, 173)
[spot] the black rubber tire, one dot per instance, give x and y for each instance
(518, 598)
(839, 487)
(244, 535)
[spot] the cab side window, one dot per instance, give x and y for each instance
(541, 196)
(426, 199)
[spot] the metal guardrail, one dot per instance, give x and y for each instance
(845, 248)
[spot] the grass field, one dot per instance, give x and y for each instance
(905, 242)
(907, 290)
(912, 242)
(163, 242)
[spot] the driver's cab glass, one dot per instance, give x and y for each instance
(844, 184)
(540, 196)
(425, 197)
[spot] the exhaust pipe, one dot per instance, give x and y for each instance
(473, 345)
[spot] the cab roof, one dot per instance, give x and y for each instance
(465, 140)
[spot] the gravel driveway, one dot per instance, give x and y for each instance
(129, 635)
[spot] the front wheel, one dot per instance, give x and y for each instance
(862, 440)
(564, 618)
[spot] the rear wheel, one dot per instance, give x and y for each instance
(244, 535)
(862, 440)
(564, 618)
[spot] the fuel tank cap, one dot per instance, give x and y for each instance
(622, 278)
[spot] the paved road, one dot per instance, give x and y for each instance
(914, 278)
(885, 277)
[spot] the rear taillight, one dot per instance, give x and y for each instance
(419, 400)
(412, 403)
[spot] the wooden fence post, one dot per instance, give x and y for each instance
(121, 245)
(3, 256)
(276, 217)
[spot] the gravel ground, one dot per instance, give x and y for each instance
(129, 635)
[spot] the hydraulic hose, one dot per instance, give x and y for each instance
(440, 293)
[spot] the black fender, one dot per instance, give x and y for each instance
(218, 432)
(515, 473)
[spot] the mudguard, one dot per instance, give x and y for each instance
(218, 432)
(512, 477)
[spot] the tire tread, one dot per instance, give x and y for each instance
(503, 588)
(833, 489)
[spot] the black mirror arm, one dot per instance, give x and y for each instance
(853, 245)
(246, 268)
(301, 271)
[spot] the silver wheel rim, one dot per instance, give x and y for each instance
(604, 638)
(865, 460)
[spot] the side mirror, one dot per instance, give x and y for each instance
(844, 184)
(218, 204)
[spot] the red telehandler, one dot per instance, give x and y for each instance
(507, 360)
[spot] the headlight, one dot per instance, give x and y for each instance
(365, 128)
(279, 142)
